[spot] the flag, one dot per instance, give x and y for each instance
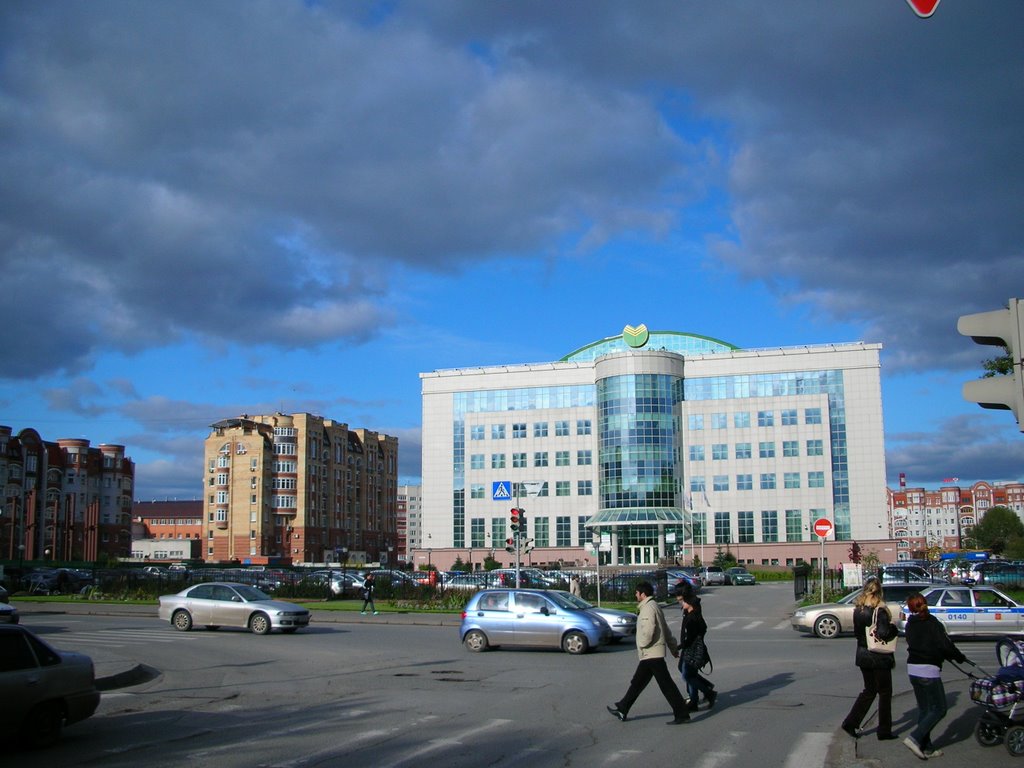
(706, 502)
(951, 479)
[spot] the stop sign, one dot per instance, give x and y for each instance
(822, 527)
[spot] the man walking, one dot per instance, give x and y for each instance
(652, 638)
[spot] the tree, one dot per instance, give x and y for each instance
(997, 528)
(458, 565)
(490, 563)
(855, 555)
(998, 366)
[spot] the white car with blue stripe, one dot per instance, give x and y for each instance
(971, 611)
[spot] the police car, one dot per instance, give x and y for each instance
(970, 611)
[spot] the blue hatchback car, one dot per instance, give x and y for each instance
(544, 618)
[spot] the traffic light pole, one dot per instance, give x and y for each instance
(519, 540)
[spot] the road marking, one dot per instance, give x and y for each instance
(811, 749)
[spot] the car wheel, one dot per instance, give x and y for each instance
(259, 624)
(988, 734)
(475, 641)
(44, 724)
(575, 643)
(181, 621)
(827, 627)
(1015, 740)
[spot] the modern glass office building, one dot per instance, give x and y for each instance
(656, 444)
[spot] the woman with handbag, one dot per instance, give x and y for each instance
(693, 651)
(928, 645)
(873, 627)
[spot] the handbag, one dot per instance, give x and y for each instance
(875, 643)
(696, 655)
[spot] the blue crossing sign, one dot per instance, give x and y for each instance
(501, 490)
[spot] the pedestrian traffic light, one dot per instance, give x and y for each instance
(514, 520)
(522, 523)
(1000, 328)
(510, 545)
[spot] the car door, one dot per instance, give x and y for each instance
(20, 679)
(199, 603)
(494, 616)
(955, 609)
(995, 613)
(227, 609)
(537, 620)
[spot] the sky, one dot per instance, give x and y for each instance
(217, 208)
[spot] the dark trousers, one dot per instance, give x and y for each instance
(695, 682)
(931, 707)
(877, 682)
(368, 601)
(657, 669)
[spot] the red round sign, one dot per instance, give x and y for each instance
(822, 527)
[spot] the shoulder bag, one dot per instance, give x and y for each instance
(875, 644)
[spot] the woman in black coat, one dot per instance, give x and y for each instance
(875, 668)
(692, 630)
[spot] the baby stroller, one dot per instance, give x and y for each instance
(1002, 696)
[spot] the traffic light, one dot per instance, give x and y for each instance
(1000, 328)
(510, 545)
(514, 521)
(522, 523)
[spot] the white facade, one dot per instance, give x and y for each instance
(660, 447)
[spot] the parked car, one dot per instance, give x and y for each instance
(530, 617)
(971, 611)
(4, 597)
(1006, 576)
(739, 575)
(466, 581)
(621, 623)
(622, 586)
(226, 604)
(42, 689)
(8, 614)
(676, 576)
(902, 574)
(712, 575)
(830, 620)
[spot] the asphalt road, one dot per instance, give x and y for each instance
(401, 690)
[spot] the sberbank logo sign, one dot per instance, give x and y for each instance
(635, 337)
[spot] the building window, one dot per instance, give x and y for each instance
(741, 420)
(789, 418)
(720, 483)
(497, 431)
(540, 429)
(700, 530)
(720, 451)
(696, 453)
(697, 484)
(723, 530)
(769, 526)
(767, 481)
(744, 482)
(584, 487)
(476, 491)
(812, 415)
(540, 532)
(766, 418)
(585, 457)
(561, 429)
(497, 461)
(794, 525)
(790, 448)
(563, 531)
(743, 451)
(583, 426)
(582, 534)
(562, 488)
(518, 431)
(719, 420)
(815, 479)
(476, 461)
(540, 459)
(791, 479)
(815, 448)
(696, 421)
(519, 460)
(766, 450)
(476, 432)
(745, 524)
(476, 532)
(561, 458)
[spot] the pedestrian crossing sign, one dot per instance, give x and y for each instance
(501, 490)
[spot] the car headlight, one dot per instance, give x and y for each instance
(799, 614)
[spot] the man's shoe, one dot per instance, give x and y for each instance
(850, 730)
(710, 697)
(887, 736)
(913, 747)
(376, 613)
(930, 753)
(616, 712)
(692, 705)
(678, 720)
(362, 613)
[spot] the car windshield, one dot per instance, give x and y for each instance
(251, 594)
(568, 600)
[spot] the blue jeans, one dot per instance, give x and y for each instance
(931, 708)
(695, 682)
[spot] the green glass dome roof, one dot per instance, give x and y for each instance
(671, 341)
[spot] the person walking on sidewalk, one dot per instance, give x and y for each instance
(875, 668)
(653, 638)
(692, 650)
(928, 645)
(368, 586)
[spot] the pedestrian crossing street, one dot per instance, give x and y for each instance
(118, 638)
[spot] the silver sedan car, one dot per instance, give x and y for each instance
(226, 604)
(830, 620)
